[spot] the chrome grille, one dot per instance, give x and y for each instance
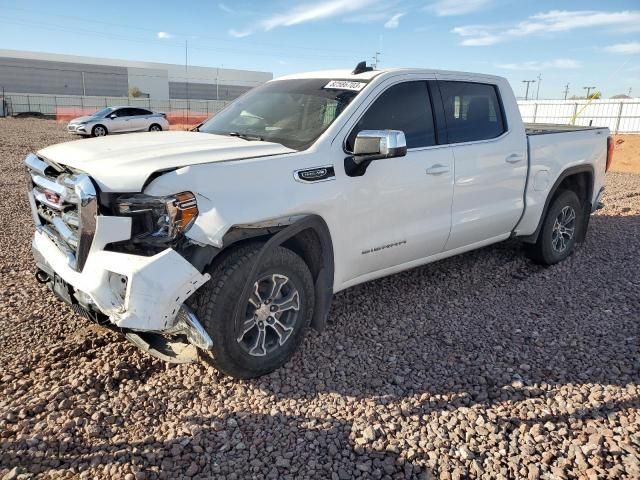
(65, 208)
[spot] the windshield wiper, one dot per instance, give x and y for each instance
(244, 136)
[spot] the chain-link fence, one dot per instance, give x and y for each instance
(66, 107)
(620, 116)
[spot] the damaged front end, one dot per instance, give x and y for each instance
(141, 295)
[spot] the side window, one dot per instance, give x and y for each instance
(472, 111)
(405, 106)
(140, 112)
(124, 112)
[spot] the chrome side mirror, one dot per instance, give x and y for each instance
(371, 145)
(113, 116)
(378, 144)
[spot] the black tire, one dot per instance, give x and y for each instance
(97, 130)
(550, 248)
(154, 127)
(217, 300)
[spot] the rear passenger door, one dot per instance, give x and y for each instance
(490, 162)
(140, 119)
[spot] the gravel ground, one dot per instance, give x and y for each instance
(480, 366)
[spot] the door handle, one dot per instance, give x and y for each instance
(437, 169)
(514, 158)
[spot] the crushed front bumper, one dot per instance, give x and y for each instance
(136, 292)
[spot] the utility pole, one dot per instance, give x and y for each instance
(376, 60)
(528, 82)
(566, 91)
(539, 82)
(629, 91)
(588, 89)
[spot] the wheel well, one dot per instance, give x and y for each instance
(156, 124)
(308, 237)
(581, 183)
(307, 244)
(99, 125)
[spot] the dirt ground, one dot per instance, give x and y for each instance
(480, 366)
(626, 154)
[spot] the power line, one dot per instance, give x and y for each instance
(182, 34)
(94, 33)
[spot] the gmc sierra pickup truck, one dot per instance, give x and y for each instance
(227, 242)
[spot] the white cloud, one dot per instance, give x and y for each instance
(394, 21)
(225, 8)
(445, 8)
(306, 13)
(549, 22)
(630, 48)
(559, 64)
(240, 33)
(164, 35)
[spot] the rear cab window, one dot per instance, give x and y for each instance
(472, 111)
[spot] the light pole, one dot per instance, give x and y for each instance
(566, 91)
(528, 82)
(539, 82)
(588, 89)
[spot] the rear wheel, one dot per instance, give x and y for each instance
(271, 320)
(155, 128)
(562, 226)
(99, 131)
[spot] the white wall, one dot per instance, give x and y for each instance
(620, 116)
(155, 82)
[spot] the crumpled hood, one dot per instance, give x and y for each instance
(122, 163)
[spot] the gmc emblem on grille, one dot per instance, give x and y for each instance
(317, 174)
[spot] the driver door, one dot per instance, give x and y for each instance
(399, 210)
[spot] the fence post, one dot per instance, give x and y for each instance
(619, 117)
(28, 103)
(575, 114)
(535, 111)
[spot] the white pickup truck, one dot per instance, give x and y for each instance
(229, 241)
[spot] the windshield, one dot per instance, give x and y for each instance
(103, 112)
(293, 113)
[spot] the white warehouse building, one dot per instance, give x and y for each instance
(55, 74)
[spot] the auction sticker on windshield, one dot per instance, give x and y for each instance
(345, 85)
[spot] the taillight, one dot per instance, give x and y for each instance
(610, 146)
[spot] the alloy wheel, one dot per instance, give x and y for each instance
(270, 315)
(564, 229)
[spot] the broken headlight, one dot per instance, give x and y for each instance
(158, 220)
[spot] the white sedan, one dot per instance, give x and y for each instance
(118, 120)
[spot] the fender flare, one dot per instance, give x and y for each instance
(533, 238)
(323, 281)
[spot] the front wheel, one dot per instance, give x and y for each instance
(562, 226)
(256, 334)
(99, 131)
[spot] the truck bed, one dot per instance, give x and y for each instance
(544, 128)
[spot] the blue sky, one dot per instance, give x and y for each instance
(583, 43)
